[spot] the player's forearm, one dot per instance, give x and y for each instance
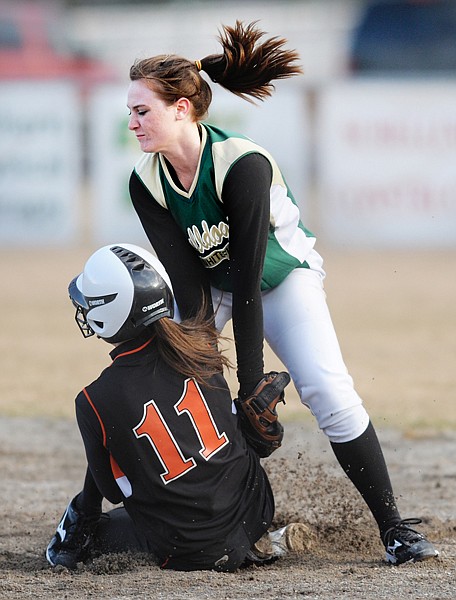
(246, 194)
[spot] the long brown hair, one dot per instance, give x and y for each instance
(191, 347)
(246, 67)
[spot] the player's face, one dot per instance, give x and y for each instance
(152, 121)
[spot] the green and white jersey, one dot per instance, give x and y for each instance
(202, 215)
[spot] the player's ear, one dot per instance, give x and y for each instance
(182, 108)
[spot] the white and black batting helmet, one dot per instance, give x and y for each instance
(122, 289)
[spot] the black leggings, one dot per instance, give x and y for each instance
(117, 533)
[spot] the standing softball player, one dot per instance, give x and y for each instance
(161, 434)
(221, 218)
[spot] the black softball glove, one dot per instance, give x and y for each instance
(258, 415)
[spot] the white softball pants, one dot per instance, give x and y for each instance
(299, 330)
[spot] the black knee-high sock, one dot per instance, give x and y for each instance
(89, 499)
(362, 460)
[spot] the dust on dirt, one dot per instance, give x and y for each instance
(43, 464)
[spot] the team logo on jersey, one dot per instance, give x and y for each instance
(207, 239)
(215, 257)
(210, 237)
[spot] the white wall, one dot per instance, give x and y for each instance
(318, 29)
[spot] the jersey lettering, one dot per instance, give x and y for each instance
(211, 237)
(154, 427)
(215, 257)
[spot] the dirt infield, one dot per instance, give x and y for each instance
(396, 320)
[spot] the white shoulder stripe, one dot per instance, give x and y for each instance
(285, 220)
(147, 170)
(226, 153)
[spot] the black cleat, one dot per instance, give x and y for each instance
(73, 538)
(404, 544)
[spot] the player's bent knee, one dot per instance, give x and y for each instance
(345, 425)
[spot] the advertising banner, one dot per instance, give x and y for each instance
(40, 163)
(387, 163)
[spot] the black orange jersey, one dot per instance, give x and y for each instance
(170, 449)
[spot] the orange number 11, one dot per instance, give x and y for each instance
(154, 427)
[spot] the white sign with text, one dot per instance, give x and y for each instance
(40, 156)
(387, 163)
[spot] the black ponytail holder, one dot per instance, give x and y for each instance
(214, 65)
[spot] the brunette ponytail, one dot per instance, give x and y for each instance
(248, 66)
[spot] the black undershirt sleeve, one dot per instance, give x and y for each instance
(246, 197)
(183, 266)
(98, 457)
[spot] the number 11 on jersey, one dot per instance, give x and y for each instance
(154, 427)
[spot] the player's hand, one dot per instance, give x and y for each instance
(258, 414)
